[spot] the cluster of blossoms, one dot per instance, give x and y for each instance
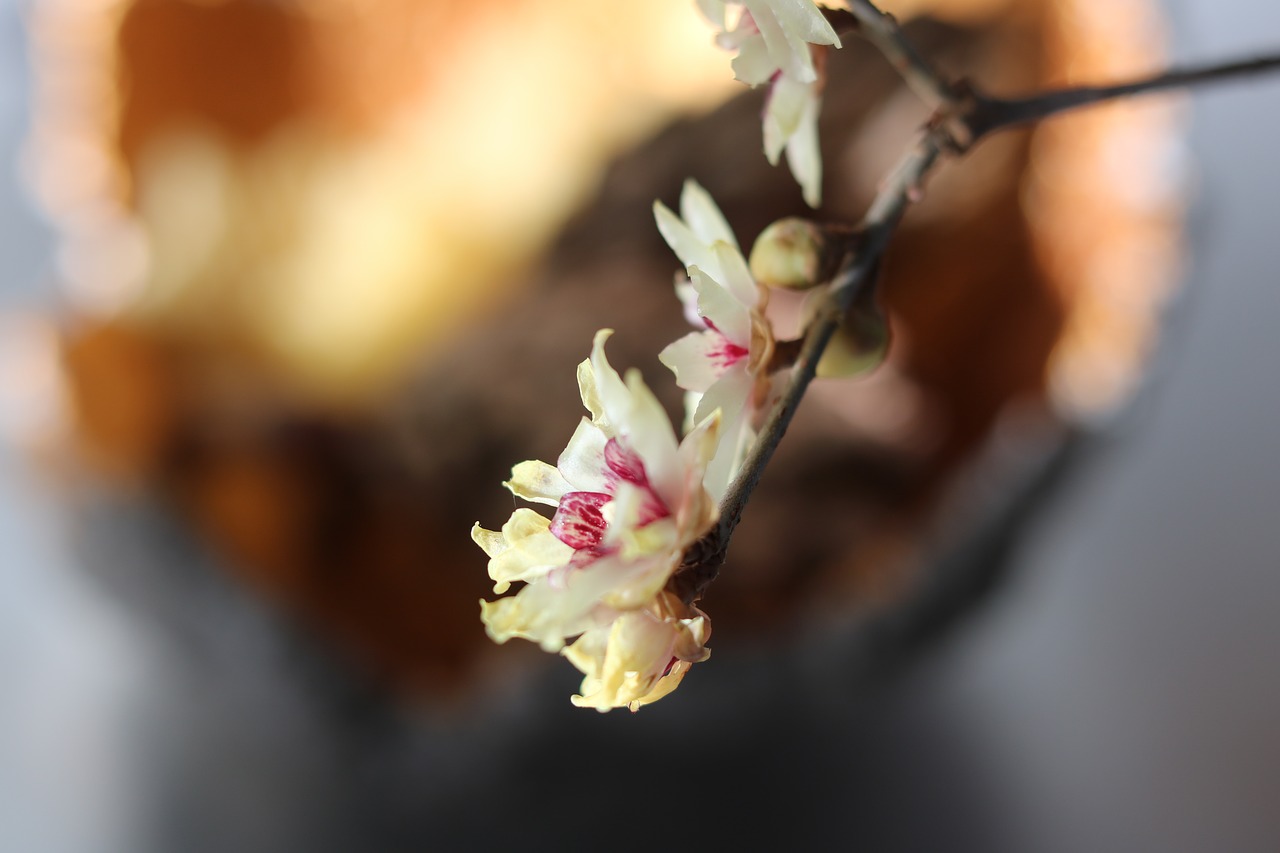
(630, 499)
(782, 43)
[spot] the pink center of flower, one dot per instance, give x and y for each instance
(726, 353)
(579, 520)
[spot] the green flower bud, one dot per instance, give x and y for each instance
(858, 345)
(788, 254)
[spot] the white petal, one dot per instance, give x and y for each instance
(742, 31)
(527, 550)
(791, 124)
(689, 248)
(538, 482)
(629, 663)
(698, 449)
(589, 392)
(703, 217)
(692, 360)
(691, 400)
(787, 50)
(638, 650)
(548, 611)
(634, 527)
(788, 99)
(753, 65)
(736, 276)
(649, 433)
(803, 19)
(491, 541)
(804, 154)
(582, 462)
(731, 395)
(774, 141)
(688, 297)
(614, 399)
(639, 580)
(729, 316)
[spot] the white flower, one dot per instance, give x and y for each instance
(771, 36)
(629, 501)
(723, 365)
(782, 43)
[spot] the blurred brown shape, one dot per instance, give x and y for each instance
(125, 396)
(357, 520)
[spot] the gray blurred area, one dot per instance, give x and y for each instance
(1119, 693)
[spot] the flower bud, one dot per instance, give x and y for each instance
(788, 254)
(858, 345)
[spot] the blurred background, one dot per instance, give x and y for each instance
(290, 286)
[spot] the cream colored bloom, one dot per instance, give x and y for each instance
(782, 43)
(722, 366)
(771, 36)
(641, 655)
(629, 501)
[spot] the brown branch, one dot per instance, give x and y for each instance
(702, 563)
(884, 33)
(959, 123)
(992, 114)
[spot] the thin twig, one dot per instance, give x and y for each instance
(991, 114)
(885, 34)
(703, 562)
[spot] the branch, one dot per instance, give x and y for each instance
(959, 120)
(885, 34)
(992, 114)
(702, 563)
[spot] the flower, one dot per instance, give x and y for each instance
(782, 43)
(724, 365)
(641, 655)
(629, 501)
(771, 36)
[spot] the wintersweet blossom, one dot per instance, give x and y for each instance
(640, 655)
(629, 501)
(771, 36)
(782, 43)
(723, 366)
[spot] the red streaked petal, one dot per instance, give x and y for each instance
(579, 522)
(625, 463)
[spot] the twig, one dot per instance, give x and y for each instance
(885, 34)
(991, 114)
(974, 117)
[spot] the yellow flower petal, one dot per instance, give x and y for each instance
(640, 657)
(538, 482)
(525, 549)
